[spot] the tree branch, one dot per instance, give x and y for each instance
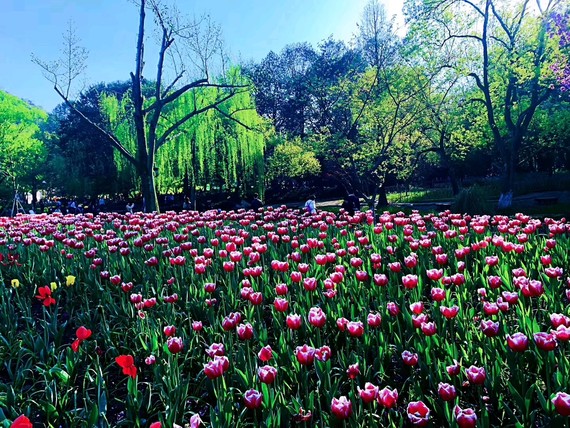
(160, 141)
(112, 139)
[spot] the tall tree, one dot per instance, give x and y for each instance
(505, 51)
(222, 147)
(200, 41)
(561, 30)
(299, 89)
(22, 151)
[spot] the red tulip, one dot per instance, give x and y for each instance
(252, 399)
(562, 333)
(428, 328)
(197, 326)
(476, 375)
(294, 321)
(296, 276)
(450, 312)
(317, 317)
(281, 305)
(169, 330)
(21, 422)
(434, 274)
(453, 370)
(245, 331)
(265, 354)
(490, 308)
(417, 307)
(228, 323)
(387, 397)
(369, 393)
(380, 279)
(353, 371)
(546, 260)
(216, 349)
(336, 277)
(75, 345)
(156, 425)
(267, 374)
(518, 342)
(83, 333)
(466, 418)
(341, 323)
(410, 281)
(446, 391)
(323, 353)
(374, 320)
(175, 344)
(356, 262)
(561, 403)
(281, 289)
(418, 413)
(355, 328)
(310, 284)
(127, 363)
(511, 298)
(305, 354)
(256, 298)
(559, 319)
(341, 407)
(554, 272)
(44, 294)
(441, 259)
(411, 261)
(209, 287)
(438, 294)
(545, 341)
(395, 267)
(494, 281)
(361, 275)
(418, 320)
(217, 367)
(393, 309)
(489, 328)
(409, 358)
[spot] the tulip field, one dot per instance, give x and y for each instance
(280, 319)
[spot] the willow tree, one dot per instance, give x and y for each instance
(221, 147)
(198, 42)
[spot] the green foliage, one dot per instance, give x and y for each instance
(472, 200)
(221, 148)
(291, 159)
(118, 113)
(22, 150)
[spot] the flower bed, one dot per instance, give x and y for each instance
(281, 319)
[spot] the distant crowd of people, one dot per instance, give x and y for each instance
(350, 204)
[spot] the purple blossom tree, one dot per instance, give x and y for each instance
(561, 29)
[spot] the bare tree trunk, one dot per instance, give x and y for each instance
(149, 191)
(382, 197)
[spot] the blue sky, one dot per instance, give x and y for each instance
(108, 28)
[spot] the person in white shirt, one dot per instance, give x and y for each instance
(311, 205)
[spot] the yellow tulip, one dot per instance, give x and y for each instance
(15, 283)
(69, 280)
(53, 286)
